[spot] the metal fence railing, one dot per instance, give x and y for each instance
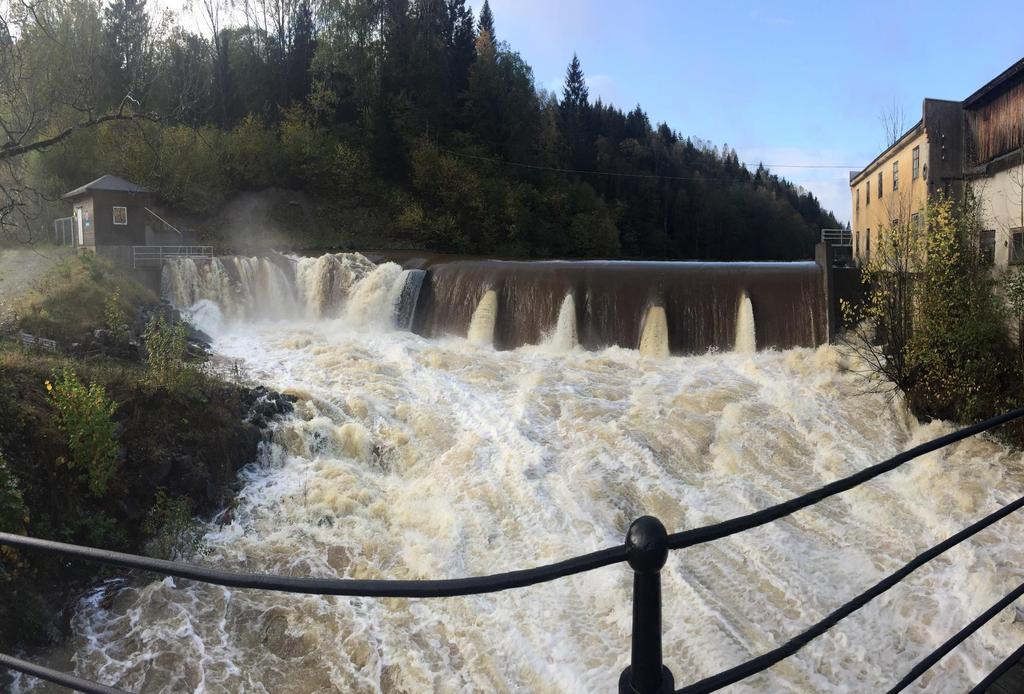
(837, 237)
(64, 231)
(154, 256)
(43, 343)
(645, 549)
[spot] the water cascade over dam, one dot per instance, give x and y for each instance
(416, 456)
(660, 308)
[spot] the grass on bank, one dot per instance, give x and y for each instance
(103, 451)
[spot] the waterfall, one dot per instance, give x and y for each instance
(654, 335)
(746, 336)
(509, 304)
(408, 297)
(481, 325)
(371, 301)
(564, 337)
(344, 285)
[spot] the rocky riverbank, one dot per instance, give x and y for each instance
(178, 444)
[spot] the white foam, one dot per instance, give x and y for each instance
(414, 458)
(481, 325)
(746, 335)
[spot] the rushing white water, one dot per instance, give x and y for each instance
(412, 458)
(746, 336)
(654, 334)
(481, 326)
(564, 336)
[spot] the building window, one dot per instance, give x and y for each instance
(916, 222)
(879, 184)
(1017, 246)
(915, 169)
(867, 196)
(121, 216)
(867, 246)
(856, 241)
(858, 199)
(987, 247)
(895, 175)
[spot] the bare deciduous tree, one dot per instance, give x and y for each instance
(894, 123)
(51, 72)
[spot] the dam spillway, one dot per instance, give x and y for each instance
(509, 304)
(411, 457)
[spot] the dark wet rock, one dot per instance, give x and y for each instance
(262, 405)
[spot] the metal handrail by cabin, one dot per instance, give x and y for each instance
(645, 549)
(154, 256)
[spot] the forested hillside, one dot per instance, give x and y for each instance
(409, 121)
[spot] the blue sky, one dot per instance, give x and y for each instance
(783, 82)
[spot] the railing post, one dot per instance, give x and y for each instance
(647, 541)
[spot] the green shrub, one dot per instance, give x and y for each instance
(13, 513)
(85, 416)
(167, 349)
(115, 316)
(172, 530)
(959, 352)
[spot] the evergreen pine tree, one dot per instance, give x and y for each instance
(127, 27)
(487, 21)
(575, 95)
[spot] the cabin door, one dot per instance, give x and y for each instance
(80, 226)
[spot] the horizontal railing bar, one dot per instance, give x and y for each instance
(767, 660)
(371, 588)
(56, 676)
(1004, 667)
(708, 533)
(957, 638)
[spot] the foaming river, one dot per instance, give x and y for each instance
(419, 458)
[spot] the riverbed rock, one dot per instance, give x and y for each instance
(262, 405)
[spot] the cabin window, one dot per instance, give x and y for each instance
(1017, 246)
(121, 216)
(987, 247)
(879, 184)
(895, 175)
(915, 169)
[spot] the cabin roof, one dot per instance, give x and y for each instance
(107, 182)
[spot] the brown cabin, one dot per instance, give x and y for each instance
(111, 215)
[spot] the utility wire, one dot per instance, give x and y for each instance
(619, 174)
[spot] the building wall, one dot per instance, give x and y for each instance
(995, 125)
(110, 234)
(940, 137)
(908, 199)
(944, 128)
(1002, 208)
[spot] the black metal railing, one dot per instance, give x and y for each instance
(645, 549)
